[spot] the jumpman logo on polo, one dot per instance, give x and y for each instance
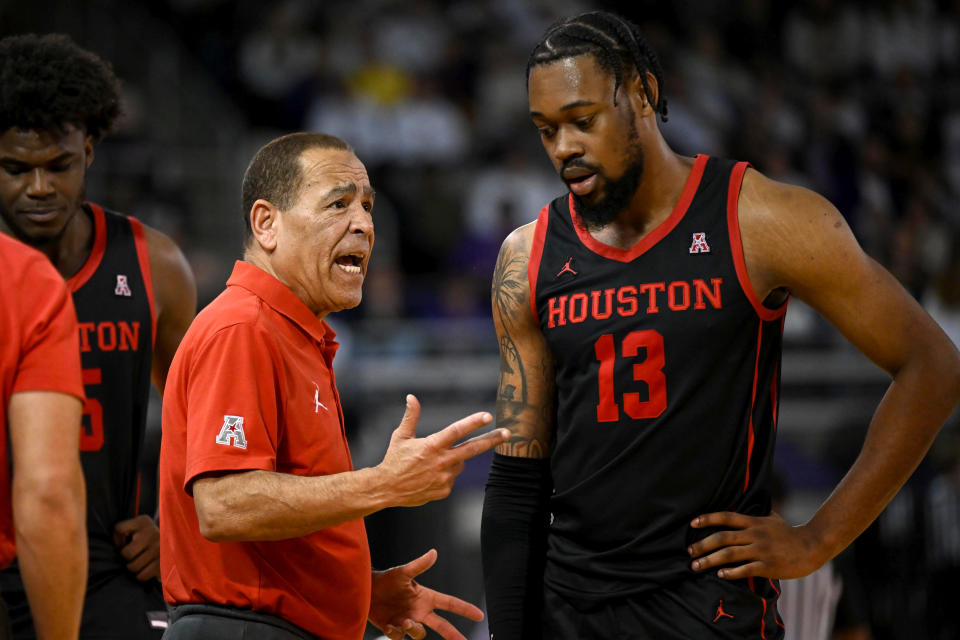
(721, 613)
(316, 399)
(567, 267)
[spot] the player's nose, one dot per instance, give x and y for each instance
(566, 145)
(40, 185)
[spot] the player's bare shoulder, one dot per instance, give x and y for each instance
(173, 279)
(786, 229)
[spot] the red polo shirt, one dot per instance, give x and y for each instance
(39, 349)
(251, 387)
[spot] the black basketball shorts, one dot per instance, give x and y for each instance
(701, 608)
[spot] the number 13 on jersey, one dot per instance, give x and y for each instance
(649, 371)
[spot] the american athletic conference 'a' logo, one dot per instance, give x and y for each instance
(123, 287)
(231, 434)
(699, 244)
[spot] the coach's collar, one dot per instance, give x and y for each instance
(283, 300)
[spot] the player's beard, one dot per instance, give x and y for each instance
(618, 193)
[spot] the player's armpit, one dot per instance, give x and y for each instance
(175, 294)
(525, 384)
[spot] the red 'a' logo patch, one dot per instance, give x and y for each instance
(699, 243)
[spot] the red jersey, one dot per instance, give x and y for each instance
(40, 349)
(251, 387)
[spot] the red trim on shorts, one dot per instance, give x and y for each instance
(763, 620)
(89, 267)
(773, 586)
(753, 404)
(659, 233)
(536, 254)
(143, 257)
(736, 245)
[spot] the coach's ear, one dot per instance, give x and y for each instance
(264, 217)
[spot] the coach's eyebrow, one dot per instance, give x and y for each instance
(340, 190)
(347, 189)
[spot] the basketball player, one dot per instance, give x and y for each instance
(40, 403)
(134, 295)
(639, 321)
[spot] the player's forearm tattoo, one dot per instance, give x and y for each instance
(510, 299)
(511, 383)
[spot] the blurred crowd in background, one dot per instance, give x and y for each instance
(858, 100)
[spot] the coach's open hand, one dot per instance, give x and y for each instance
(766, 547)
(424, 469)
(399, 606)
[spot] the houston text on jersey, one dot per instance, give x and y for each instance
(598, 304)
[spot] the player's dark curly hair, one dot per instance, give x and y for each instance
(48, 81)
(616, 43)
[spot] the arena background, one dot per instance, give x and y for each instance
(857, 100)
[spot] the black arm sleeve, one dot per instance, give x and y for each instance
(513, 542)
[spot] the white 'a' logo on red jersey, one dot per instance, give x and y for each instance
(231, 433)
(122, 288)
(699, 243)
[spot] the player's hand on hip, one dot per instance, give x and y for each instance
(139, 542)
(748, 546)
(424, 469)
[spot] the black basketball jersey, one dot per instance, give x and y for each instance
(667, 374)
(113, 295)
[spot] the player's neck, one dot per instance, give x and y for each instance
(665, 174)
(70, 250)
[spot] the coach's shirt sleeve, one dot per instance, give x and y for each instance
(234, 403)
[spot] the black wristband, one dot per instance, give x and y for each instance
(513, 541)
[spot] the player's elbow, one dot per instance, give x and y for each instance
(49, 498)
(943, 366)
(952, 374)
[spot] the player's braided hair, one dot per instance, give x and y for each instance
(617, 44)
(48, 81)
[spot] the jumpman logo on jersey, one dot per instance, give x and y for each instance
(316, 399)
(699, 243)
(122, 288)
(721, 613)
(567, 267)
